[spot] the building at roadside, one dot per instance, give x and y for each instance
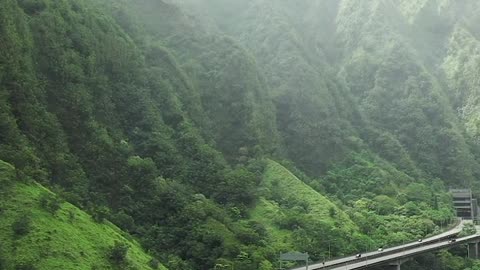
(465, 205)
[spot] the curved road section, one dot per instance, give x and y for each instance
(406, 253)
(394, 253)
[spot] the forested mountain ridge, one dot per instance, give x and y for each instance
(165, 117)
(377, 48)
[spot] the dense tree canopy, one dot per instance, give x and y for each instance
(165, 117)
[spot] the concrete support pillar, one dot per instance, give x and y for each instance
(396, 265)
(393, 267)
(473, 250)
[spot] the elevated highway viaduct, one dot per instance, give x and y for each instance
(393, 257)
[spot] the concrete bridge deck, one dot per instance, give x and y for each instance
(397, 253)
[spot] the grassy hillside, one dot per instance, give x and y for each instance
(266, 212)
(160, 122)
(33, 235)
(297, 217)
(285, 187)
(293, 213)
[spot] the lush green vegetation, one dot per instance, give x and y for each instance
(224, 132)
(36, 236)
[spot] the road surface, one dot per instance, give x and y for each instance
(387, 251)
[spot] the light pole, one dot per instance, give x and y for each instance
(366, 253)
(306, 268)
(329, 251)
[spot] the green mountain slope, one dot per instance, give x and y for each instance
(159, 115)
(294, 214)
(298, 217)
(370, 71)
(34, 233)
(238, 114)
(285, 187)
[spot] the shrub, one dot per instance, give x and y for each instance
(32, 7)
(25, 266)
(22, 225)
(154, 263)
(101, 213)
(332, 212)
(266, 265)
(50, 203)
(468, 229)
(248, 236)
(3, 263)
(118, 253)
(7, 175)
(71, 216)
(123, 220)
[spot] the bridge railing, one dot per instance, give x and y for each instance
(334, 263)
